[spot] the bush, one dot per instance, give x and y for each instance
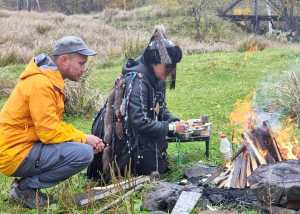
(4, 39)
(15, 55)
(132, 48)
(214, 29)
(6, 85)
(287, 92)
(43, 28)
(253, 43)
(81, 99)
(59, 19)
(166, 8)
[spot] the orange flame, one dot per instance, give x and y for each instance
(263, 152)
(244, 117)
(287, 141)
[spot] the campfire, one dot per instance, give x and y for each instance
(267, 160)
(259, 147)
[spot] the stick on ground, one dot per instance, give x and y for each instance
(121, 198)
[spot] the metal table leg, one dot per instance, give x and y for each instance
(207, 148)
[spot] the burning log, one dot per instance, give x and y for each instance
(259, 148)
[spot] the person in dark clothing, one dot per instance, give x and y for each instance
(135, 121)
(149, 121)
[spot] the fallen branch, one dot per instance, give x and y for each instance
(121, 198)
(95, 195)
(122, 183)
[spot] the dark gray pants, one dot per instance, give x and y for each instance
(48, 164)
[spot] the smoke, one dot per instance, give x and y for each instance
(264, 103)
(277, 100)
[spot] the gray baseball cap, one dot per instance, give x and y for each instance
(71, 44)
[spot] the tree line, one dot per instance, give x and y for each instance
(71, 6)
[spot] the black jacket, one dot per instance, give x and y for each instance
(148, 118)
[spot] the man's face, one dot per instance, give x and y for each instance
(72, 66)
(162, 71)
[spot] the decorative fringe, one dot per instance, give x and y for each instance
(159, 37)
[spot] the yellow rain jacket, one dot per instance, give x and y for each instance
(33, 113)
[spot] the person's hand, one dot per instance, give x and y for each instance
(180, 127)
(95, 142)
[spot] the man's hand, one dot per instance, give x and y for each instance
(180, 127)
(95, 142)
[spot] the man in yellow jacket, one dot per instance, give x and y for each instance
(35, 144)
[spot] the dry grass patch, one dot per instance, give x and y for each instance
(4, 14)
(24, 34)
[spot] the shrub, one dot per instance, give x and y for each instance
(287, 93)
(253, 43)
(166, 8)
(81, 99)
(43, 28)
(133, 47)
(4, 39)
(59, 19)
(6, 85)
(15, 55)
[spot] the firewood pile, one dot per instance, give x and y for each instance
(259, 147)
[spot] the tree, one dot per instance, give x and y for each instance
(197, 9)
(30, 4)
(63, 7)
(20, 4)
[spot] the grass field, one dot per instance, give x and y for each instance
(207, 84)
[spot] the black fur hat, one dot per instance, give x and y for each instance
(161, 50)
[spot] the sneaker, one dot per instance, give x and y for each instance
(30, 198)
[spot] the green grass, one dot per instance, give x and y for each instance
(2, 100)
(210, 84)
(180, 24)
(207, 84)
(12, 71)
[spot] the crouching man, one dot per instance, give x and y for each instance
(35, 144)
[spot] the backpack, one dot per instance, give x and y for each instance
(110, 125)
